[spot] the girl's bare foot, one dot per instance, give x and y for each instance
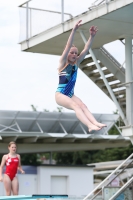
(93, 128)
(100, 125)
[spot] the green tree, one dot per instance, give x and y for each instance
(30, 159)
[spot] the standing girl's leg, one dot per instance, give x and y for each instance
(7, 184)
(15, 186)
(68, 103)
(87, 112)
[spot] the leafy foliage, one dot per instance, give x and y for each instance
(30, 159)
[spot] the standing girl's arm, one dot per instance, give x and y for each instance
(93, 31)
(1, 166)
(63, 58)
(19, 165)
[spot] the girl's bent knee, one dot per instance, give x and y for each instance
(83, 106)
(75, 106)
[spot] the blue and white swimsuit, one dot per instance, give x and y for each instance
(67, 80)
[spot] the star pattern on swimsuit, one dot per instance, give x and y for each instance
(8, 161)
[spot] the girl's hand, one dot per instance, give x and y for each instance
(93, 30)
(1, 179)
(77, 25)
(22, 172)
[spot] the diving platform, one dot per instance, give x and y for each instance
(36, 132)
(34, 196)
(114, 19)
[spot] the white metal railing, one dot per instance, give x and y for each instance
(29, 22)
(92, 195)
(36, 20)
(97, 3)
(110, 57)
(121, 189)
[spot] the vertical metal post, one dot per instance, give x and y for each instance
(104, 79)
(30, 22)
(129, 77)
(62, 11)
(27, 22)
(50, 158)
(107, 5)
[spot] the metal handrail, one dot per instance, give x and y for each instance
(107, 178)
(121, 189)
(94, 5)
(26, 6)
(110, 56)
(52, 11)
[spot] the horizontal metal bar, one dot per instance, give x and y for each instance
(41, 119)
(49, 11)
(124, 127)
(130, 82)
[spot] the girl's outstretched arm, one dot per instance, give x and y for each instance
(63, 58)
(93, 31)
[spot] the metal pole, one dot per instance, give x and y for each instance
(27, 21)
(30, 22)
(62, 11)
(107, 5)
(50, 158)
(104, 79)
(129, 78)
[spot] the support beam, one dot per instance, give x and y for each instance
(61, 147)
(129, 78)
(128, 130)
(9, 139)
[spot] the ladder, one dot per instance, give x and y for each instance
(113, 71)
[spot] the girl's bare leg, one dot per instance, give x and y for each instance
(15, 186)
(87, 112)
(69, 103)
(7, 184)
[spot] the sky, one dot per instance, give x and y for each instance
(31, 79)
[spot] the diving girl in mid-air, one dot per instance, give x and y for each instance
(68, 67)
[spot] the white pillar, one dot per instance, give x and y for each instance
(27, 22)
(62, 11)
(129, 87)
(129, 78)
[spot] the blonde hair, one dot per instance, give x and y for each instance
(68, 62)
(10, 143)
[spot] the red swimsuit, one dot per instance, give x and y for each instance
(12, 167)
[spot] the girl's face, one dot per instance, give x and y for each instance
(12, 148)
(72, 55)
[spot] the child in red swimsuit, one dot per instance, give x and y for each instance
(13, 164)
